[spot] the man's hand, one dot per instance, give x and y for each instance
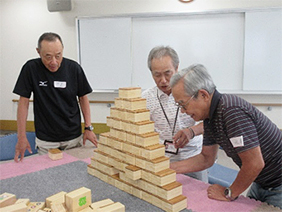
(181, 138)
(89, 135)
(21, 146)
(216, 192)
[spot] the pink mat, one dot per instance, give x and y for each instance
(197, 199)
(32, 164)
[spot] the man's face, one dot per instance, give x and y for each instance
(196, 107)
(51, 54)
(162, 70)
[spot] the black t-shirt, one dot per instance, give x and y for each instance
(56, 110)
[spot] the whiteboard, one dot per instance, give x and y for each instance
(263, 51)
(113, 51)
(104, 52)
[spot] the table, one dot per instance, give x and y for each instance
(38, 177)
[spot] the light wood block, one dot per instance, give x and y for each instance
(125, 125)
(7, 199)
(134, 104)
(58, 207)
(160, 178)
(101, 203)
(133, 172)
(154, 165)
(88, 209)
(176, 204)
(137, 192)
(103, 138)
(114, 112)
(130, 137)
(78, 199)
(142, 127)
(25, 201)
(100, 156)
(130, 158)
(35, 206)
(116, 133)
(55, 199)
(147, 139)
(104, 167)
(55, 154)
(21, 207)
(153, 152)
(129, 92)
(119, 103)
(115, 207)
(90, 170)
(115, 143)
(137, 115)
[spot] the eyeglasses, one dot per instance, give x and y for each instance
(180, 105)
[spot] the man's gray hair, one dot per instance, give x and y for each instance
(195, 77)
(161, 51)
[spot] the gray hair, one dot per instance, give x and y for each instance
(195, 77)
(161, 51)
(48, 36)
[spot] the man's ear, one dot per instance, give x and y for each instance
(204, 94)
(38, 51)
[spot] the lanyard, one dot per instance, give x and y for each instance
(177, 110)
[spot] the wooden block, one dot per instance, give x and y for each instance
(119, 103)
(58, 207)
(147, 139)
(133, 172)
(55, 154)
(103, 138)
(88, 209)
(153, 152)
(137, 192)
(100, 156)
(115, 143)
(21, 207)
(55, 199)
(130, 158)
(25, 201)
(142, 127)
(104, 167)
(125, 126)
(170, 191)
(101, 203)
(160, 178)
(176, 204)
(114, 112)
(137, 115)
(154, 165)
(134, 104)
(115, 207)
(35, 206)
(7, 199)
(130, 92)
(130, 137)
(78, 199)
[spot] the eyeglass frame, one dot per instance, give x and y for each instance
(179, 105)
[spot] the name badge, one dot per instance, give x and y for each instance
(60, 84)
(237, 141)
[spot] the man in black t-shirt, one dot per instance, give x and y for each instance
(57, 84)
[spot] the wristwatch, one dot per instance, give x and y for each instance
(90, 128)
(228, 194)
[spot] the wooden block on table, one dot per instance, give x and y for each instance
(130, 137)
(153, 151)
(142, 127)
(101, 203)
(125, 126)
(25, 201)
(58, 207)
(104, 167)
(137, 192)
(176, 204)
(147, 139)
(88, 209)
(154, 165)
(55, 199)
(100, 156)
(115, 143)
(116, 133)
(130, 158)
(115, 207)
(114, 112)
(129, 92)
(55, 154)
(35, 206)
(133, 172)
(78, 199)
(160, 178)
(7, 199)
(137, 115)
(119, 103)
(103, 138)
(134, 104)
(21, 207)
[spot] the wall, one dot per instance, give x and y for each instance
(23, 21)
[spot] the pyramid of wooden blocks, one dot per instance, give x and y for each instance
(131, 158)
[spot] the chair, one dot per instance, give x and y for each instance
(8, 144)
(222, 175)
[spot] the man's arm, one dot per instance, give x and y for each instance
(197, 163)
(85, 108)
(182, 137)
(22, 143)
(252, 164)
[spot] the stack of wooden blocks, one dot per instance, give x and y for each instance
(78, 200)
(131, 158)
